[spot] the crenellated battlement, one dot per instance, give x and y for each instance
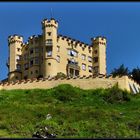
(15, 38)
(84, 82)
(74, 41)
(49, 23)
(99, 40)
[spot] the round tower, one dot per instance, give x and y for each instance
(49, 65)
(14, 43)
(99, 55)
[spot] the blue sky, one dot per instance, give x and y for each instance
(119, 22)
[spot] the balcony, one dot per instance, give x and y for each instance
(73, 65)
(48, 42)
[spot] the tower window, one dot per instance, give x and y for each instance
(90, 68)
(48, 42)
(49, 33)
(95, 59)
(49, 53)
(18, 67)
(83, 66)
(18, 57)
(58, 48)
(31, 72)
(83, 57)
(89, 59)
(95, 51)
(58, 59)
(18, 49)
(49, 64)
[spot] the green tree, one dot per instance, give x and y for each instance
(121, 71)
(135, 74)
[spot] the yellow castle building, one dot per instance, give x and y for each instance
(48, 54)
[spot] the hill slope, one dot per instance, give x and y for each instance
(76, 113)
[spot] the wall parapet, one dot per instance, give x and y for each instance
(84, 82)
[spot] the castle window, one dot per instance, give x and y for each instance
(49, 64)
(49, 33)
(83, 48)
(18, 49)
(83, 66)
(83, 57)
(89, 51)
(95, 59)
(16, 77)
(48, 42)
(58, 59)
(72, 53)
(49, 53)
(18, 67)
(37, 60)
(36, 50)
(95, 51)
(25, 56)
(26, 66)
(18, 58)
(31, 51)
(90, 68)
(89, 59)
(58, 48)
(31, 63)
(31, 72)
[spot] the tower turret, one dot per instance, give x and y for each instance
(99, 55)
(49, 28)
(14, 43)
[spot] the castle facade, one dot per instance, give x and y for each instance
(48, 54)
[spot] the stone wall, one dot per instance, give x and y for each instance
(81, 82)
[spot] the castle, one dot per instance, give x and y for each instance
(48, 54)
(37, 63)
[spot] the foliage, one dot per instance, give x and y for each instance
(76, 113)
(136, 74)
(121, 71)
(60, 75)
(116, 95)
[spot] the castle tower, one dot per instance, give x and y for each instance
(14, 43)
(49, 28)
(99, 55)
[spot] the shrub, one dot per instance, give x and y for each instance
(60, 75)
(116, 95)
(66, 93)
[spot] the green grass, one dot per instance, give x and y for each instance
(76, 113)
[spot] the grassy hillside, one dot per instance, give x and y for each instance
(76, 113)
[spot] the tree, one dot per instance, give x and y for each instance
(121, 71)
(135, 74)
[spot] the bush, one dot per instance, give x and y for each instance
(60, 75)
(116, 95)
(66, 93)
